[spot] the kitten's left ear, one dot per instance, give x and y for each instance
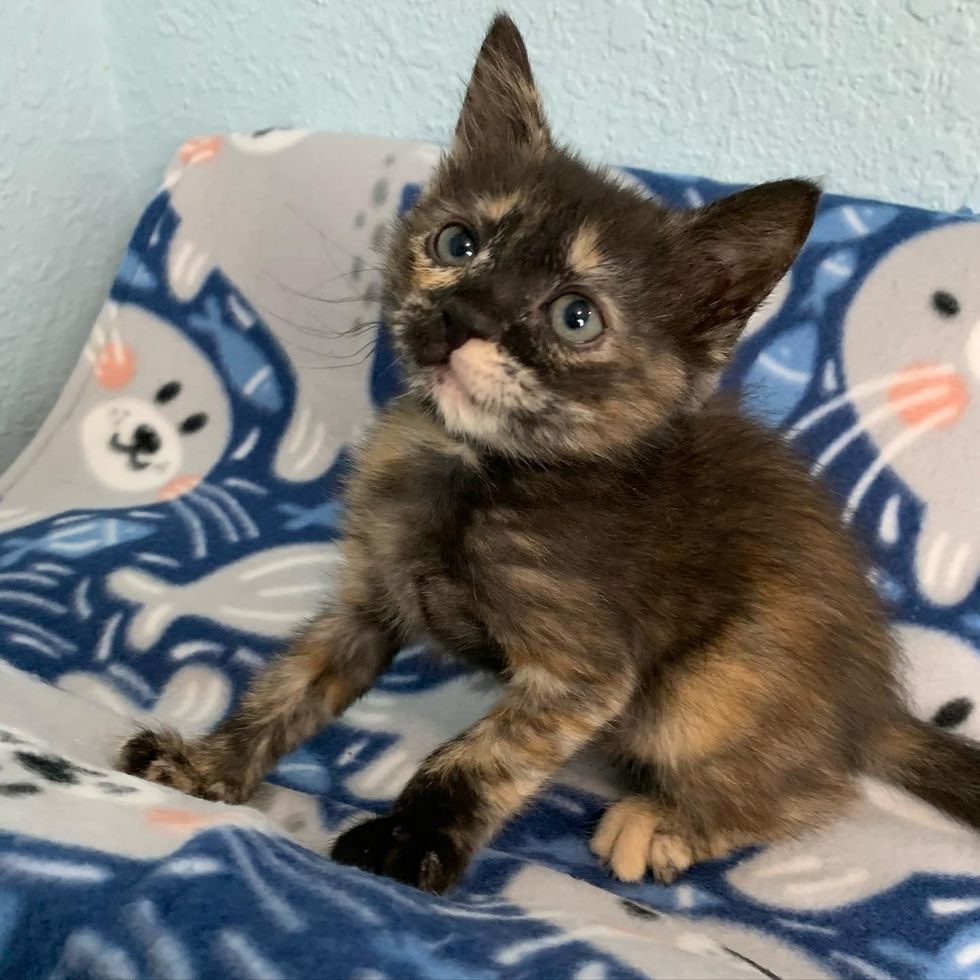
(746, 243)
(502, 108)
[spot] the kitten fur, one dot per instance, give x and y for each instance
(647, 570)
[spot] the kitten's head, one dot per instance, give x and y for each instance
(543, 308)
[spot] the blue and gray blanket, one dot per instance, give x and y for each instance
(175, 518)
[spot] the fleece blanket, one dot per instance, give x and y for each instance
(176, 516)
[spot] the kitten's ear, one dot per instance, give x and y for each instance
(746, 243)
(502, 108)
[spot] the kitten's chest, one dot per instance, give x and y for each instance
(417, 498)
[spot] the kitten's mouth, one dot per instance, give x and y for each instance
(449, 382)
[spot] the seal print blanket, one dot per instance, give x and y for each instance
(176, 516)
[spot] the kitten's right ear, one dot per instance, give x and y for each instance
(502, 107)
(741, 246)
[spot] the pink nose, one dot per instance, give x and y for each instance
(924, 391)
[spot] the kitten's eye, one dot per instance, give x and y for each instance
(945, 303)
(455, 245)
(575, 319)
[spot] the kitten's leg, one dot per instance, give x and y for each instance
(467, 788)
(641, 832)
(336, 658)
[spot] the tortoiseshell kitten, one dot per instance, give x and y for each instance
(561, 497)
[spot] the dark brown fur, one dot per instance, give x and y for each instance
(647, 569)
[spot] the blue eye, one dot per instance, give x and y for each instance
(575, 319)
(455, 245)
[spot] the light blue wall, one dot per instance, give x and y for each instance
(877, 96)
(66, 198)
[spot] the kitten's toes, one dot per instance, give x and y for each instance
(636, 834)
(149, 752)
(164, 757)
(670, 855)
(408, 852)
(623, 837)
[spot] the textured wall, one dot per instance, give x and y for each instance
(878, 96)
(66, 199)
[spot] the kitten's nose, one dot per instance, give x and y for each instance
(462, 321)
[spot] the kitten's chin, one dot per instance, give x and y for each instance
(460, 412)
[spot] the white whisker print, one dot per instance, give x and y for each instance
(33, 643)
(247, 444)
(889, 527)
(319, 433)
(890, 452)
(150, 558)
(244, 959)
(191, 648)
(228, 530)
(282, 911)
(240, 312)
(76, 872)
(36, 601)
(934, 558)
(512, 955)
(80, 600)
(861, 967)
(195, 528)
(253, 382)
(829, 380)
(104, 645)
(129, 677)
(166, 954)
(248, 526)
(315, 882)
(28, 578)
(807, 927)
(300, 434)
(29, 626)
(246, 485)
(55, 568)
(860, 391)
(192, 867)
(884, 412)
(278, 566)
(248, 657)
(116, 348)
(87, 954)
(956, 565)
(953, 906)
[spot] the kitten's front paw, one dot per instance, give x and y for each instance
(164, 757)
(405, 850)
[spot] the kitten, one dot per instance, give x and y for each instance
(560, 497)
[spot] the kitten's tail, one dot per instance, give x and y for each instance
(937, 766)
